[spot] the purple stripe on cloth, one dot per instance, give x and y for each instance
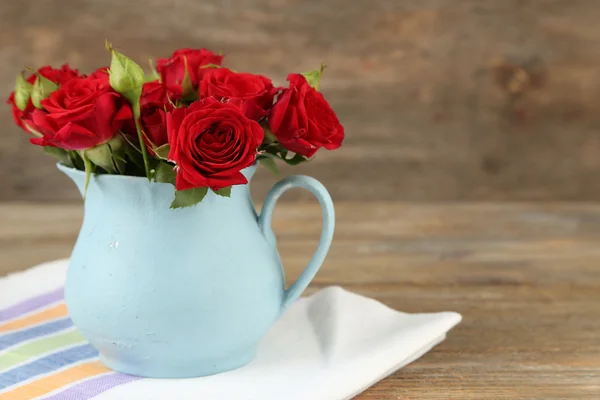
(31, 304)
(93, 387)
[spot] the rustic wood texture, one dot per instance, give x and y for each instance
(525, 277)
(442, 100)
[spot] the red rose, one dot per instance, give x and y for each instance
(303, 121)
(81, 114)
(172, 70)
(211, 142)
(154, 106)
(57, 75)
(154, 124)
(153, 95)
(100, 73)
(252, 93)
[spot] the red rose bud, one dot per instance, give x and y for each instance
(303, 121)
(313, 78)
(126, 77)
(80, 115)
(154, 95)
(211, 142)
(154, 107)
(154, 125)
(253, 94)
(182, 72)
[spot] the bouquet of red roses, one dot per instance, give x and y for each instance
(190, 122)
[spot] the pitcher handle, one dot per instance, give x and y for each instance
(328, 226)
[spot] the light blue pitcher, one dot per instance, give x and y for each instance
(180, 293)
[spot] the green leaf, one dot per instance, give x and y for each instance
(314, 77)
(272, 150)
(295, 160)
(60, 154)
(269, 164)
(153, 75)
(188, 198)
(272, 153)
(269, 136)
(276, 150)
(210, 66)
(163, 151)
(189, 99)
(22, 92)
(135, 163)
(224, 192)
(104, 154)
(41, 90)
(119, 161)
(76, 159)
(187, 86)
(149, 77)
(130, 143)
(134, 156)
(165, 173)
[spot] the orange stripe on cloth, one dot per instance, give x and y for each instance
(50, 383)
(57, 311)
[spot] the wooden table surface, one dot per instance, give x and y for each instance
(525, 277)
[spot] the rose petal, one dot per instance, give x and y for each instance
(74, 137)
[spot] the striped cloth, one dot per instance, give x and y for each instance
(42, 356)
(319, 349)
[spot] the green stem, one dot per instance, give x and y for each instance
(136, 116)
(88, 172)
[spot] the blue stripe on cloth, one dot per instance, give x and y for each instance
(47, 364)
(10, 339)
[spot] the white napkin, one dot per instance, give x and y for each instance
(331, 345)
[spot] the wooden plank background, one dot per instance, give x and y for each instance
(442, 100)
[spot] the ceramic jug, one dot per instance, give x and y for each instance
(174, 293)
